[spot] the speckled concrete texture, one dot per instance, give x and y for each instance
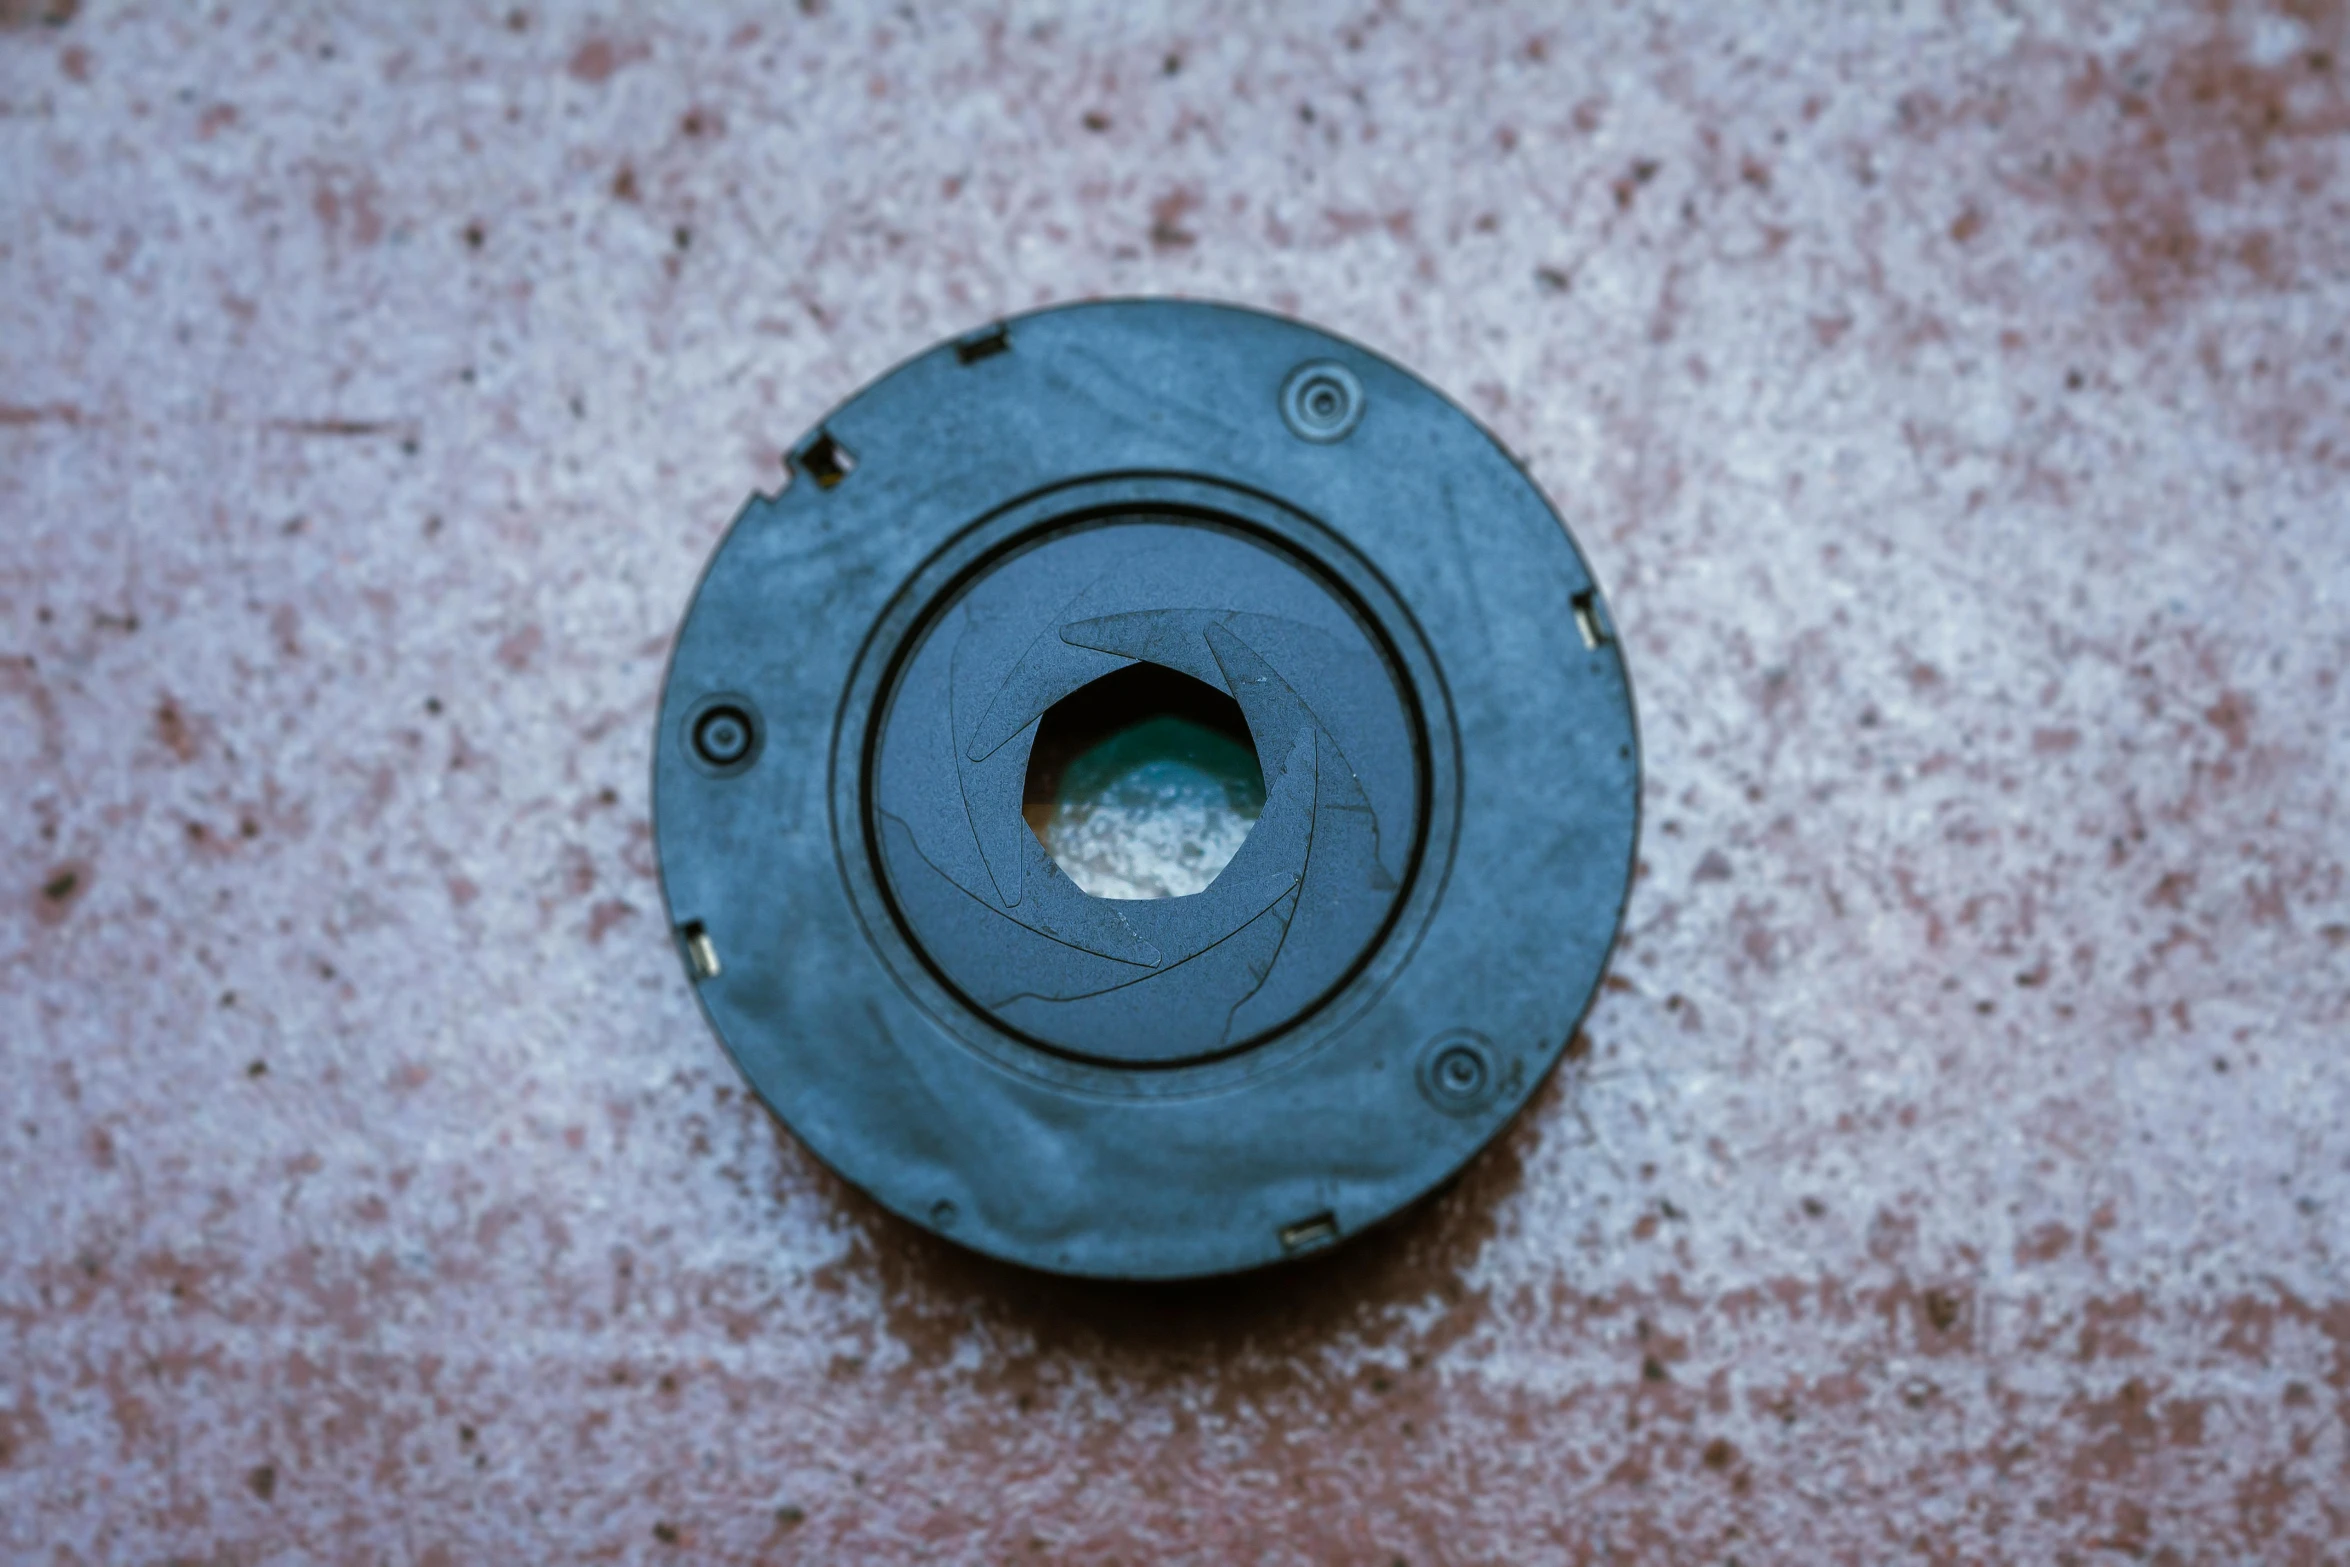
(1954, 398)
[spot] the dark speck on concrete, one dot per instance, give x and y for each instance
(1628, 185)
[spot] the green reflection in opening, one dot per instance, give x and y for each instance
(1143, 784)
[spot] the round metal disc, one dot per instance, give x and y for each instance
(1153, 1088)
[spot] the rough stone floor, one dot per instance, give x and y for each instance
(1954, 398)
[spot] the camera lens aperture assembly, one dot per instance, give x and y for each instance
(1280, 545)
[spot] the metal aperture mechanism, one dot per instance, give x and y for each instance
(1036, 515)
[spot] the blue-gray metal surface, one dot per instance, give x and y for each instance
(1207, 1083)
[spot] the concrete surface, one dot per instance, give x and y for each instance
(1953, 398)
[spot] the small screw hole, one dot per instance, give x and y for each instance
(1457, 1075)
(723, 736)
(1321, 401)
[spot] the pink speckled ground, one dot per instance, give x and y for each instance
(1956, 404)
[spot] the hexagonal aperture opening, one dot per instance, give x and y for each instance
(1143, 784)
